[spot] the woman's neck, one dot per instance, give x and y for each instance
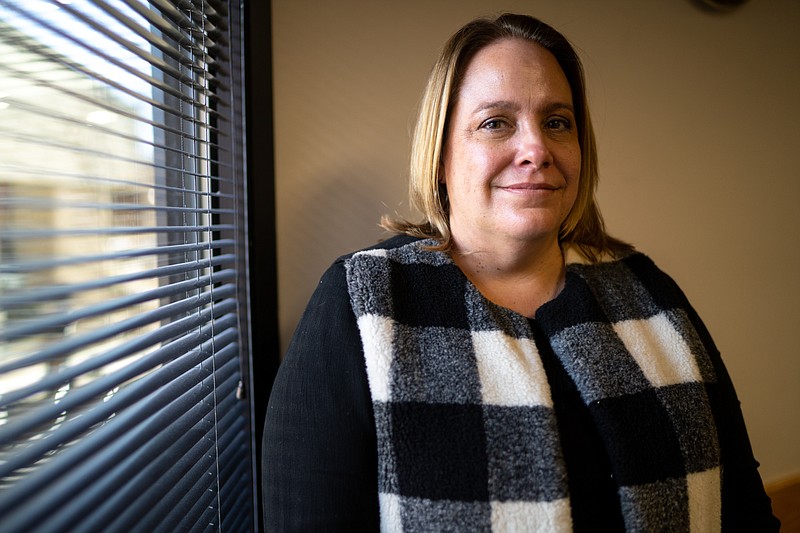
(520, 278)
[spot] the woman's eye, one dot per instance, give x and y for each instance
(494, 124)
(560, 124)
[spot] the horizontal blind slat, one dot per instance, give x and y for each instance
(168, 25)
(105, 80)
(234, 488)
(123, 465)
(29, 495)
(57, 292)
(56, 262)
(203, 126)
(239, 518)
(134, 230)
(127, 506)
(106, 181)
(62, 320)
(191, 501)
(122, 43)
(39, 111)
(179, 16)
(110, 444)
(55, 203)
(123, 112)
(231, 448)
(148, 36)
(179, 326)
(206, 512)
(180, 500)
(100, 154)
(183, 349)
(162, 474)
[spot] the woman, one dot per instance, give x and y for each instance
(505, 365)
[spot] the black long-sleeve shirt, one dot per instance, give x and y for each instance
(320, 458)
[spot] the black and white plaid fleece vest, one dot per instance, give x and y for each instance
(467, 436)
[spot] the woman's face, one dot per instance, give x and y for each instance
(511, 159)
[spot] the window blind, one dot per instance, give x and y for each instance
(124, 342)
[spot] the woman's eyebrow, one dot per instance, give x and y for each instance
(503, 105)
(558, 106)
(506, 105)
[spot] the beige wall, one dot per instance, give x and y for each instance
(697, 120)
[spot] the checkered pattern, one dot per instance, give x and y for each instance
(467, 436)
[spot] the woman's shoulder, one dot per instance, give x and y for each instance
(398, 250)
(394, 242)
(336, 273)
(628, 273)
(632, 261)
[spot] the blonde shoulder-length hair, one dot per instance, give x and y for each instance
(583, 226)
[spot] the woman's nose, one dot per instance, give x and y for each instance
(532, 149)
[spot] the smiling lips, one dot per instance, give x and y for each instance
(529, 187)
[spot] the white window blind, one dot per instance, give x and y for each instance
(123, 291)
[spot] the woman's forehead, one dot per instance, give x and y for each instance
(511, 73)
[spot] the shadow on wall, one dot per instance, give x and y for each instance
(314, 220)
